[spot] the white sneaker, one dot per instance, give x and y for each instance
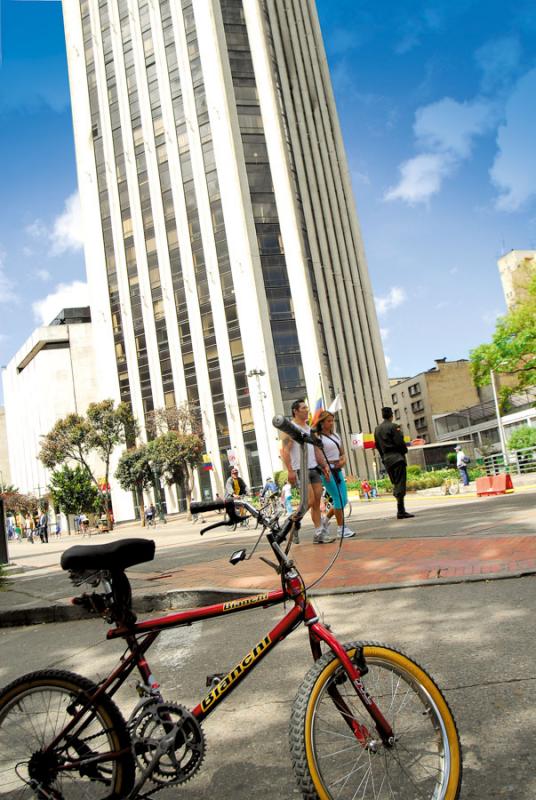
(345, 533)
(322, 537)
(324, 524)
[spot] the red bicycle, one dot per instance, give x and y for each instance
(367, 721)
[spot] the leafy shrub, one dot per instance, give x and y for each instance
(522, 437)
(414, 471)
(451, 459)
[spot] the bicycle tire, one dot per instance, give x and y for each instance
(391, 772)
(33, 710)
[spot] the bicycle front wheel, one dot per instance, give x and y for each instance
(38, 761)
(424, 763)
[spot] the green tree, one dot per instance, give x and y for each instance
(512, 349)
(74, 438)
(174, 455)
(522, 437)
(134, 474)
(16, 502)
(73, 491)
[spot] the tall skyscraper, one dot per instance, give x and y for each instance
(224, 257)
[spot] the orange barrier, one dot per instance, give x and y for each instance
(494, 484)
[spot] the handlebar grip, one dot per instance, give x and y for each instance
(294, 431)
(209, 505)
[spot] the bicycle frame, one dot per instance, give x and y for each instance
(139, 636)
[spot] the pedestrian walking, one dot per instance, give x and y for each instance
(286, 498)
(333, 457)
(461, 462)
(43, 527)
(392, 448)
(28, 527)
(290, 455)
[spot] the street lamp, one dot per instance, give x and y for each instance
(499, 421)
(258, 374)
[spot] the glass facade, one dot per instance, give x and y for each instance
(269, 240)
(151, 155)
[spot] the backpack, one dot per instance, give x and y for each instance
(466, 460)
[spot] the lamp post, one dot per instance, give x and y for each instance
(499, 422)
(258, 374)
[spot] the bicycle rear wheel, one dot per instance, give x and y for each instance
(34, 710)
(424, 763)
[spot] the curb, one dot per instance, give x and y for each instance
(177, 599)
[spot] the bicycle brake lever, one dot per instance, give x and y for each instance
(214, 525)
(271, 564)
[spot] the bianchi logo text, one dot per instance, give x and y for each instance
(246, 663)
(245, 601)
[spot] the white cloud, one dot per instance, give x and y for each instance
(7, 293)
(43, 274)
(445, 131)
(37, 229)
(514, 168)
(450, 127)
(498, 59)
(67, 232)
(395, 297)
(387, 360)
(421, 177)
(384, 333)
(65, 295)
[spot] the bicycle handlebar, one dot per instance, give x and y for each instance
(209, 505)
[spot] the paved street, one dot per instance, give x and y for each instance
(449, 539)
(477, 639)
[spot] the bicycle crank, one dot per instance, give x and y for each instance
(168, 742)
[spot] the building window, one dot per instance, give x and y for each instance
(397, 413)
(420, 423)
(414, 389)
(418, 405)
(394, 399)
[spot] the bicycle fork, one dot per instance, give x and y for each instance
(354, 670)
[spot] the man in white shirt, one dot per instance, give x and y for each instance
(290, 455)
(461, 462)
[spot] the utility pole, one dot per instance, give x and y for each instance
(499, 422)
(258, 374)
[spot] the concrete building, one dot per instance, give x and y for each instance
(53, 374)
(447, 387)
(478, 424)
(516, 268)
(224, 257)
(5, 472)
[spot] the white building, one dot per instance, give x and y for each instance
(223, 252)
(53, 374)
(516, 268)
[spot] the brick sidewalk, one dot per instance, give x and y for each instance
(368, 563)
(449, 540)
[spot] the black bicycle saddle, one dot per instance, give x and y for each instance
(112, 557)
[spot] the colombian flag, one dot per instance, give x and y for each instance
(368, 441)
(207, 462)
(319, 407)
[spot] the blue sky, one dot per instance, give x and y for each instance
(438, 109)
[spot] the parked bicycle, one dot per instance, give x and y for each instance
(367, 721)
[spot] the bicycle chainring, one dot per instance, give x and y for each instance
(173, 735)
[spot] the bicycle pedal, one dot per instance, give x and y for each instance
(213, 680)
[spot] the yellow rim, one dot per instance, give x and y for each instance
(408, 666)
